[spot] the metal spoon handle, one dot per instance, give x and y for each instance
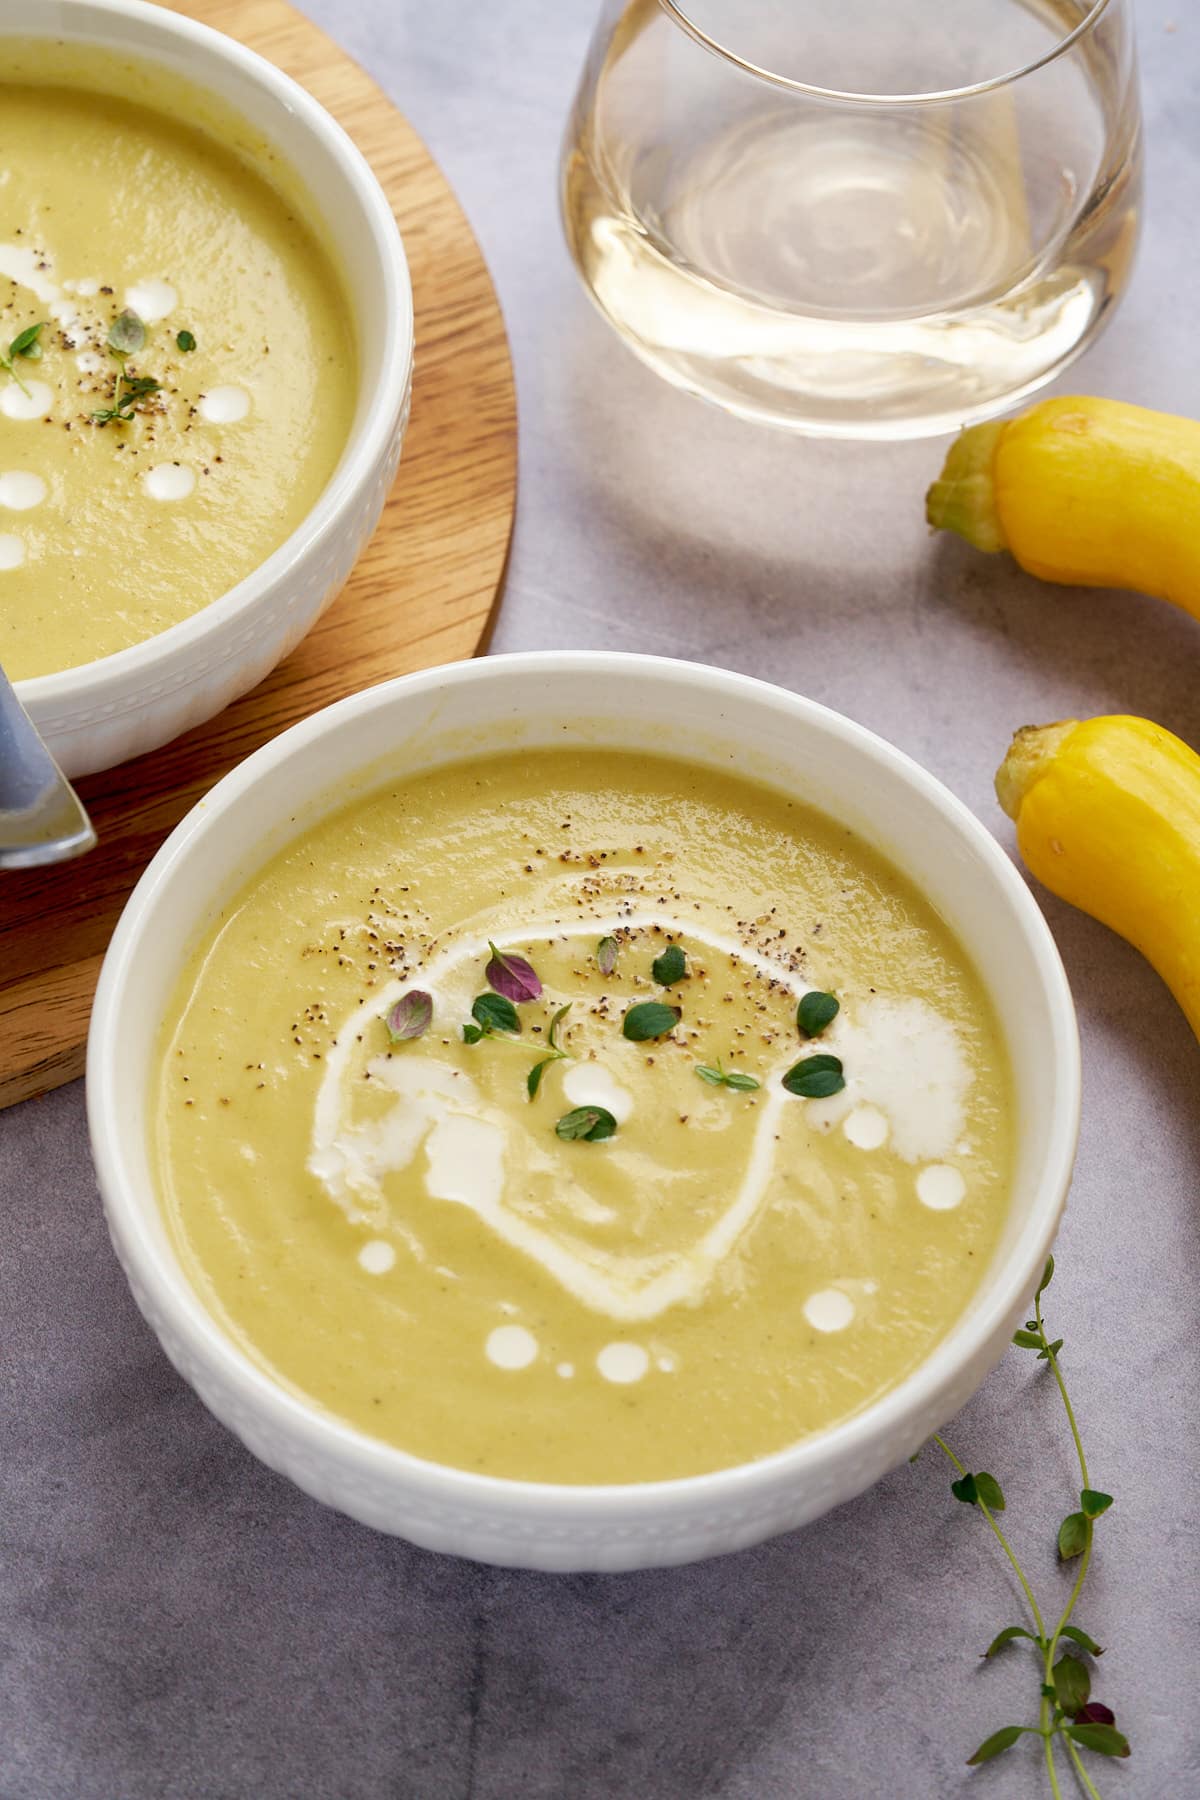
(41, 818)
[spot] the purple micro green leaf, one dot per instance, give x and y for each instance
(1095, 1713)
(607, 951)
(512, 976)
(410, 1017)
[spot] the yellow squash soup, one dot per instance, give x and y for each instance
(177, 370)
(489, 1119)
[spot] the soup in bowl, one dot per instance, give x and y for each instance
(587, 1111)
(205, 359)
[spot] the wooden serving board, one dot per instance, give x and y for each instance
(422, 593)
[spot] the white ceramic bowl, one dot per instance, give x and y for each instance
(119, 706)
(632, 702)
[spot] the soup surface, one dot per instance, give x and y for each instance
(126, 507)
(642, 1271)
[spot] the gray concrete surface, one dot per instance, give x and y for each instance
(175, 1621)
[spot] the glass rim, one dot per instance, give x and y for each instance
(934, 97)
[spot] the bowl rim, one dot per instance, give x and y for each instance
(95, 682)
(298, 1420)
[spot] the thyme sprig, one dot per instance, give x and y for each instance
(127, 335)
(1067, 1716)
(26, 344)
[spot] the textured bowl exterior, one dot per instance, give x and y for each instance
(423, 721)
(104, 712)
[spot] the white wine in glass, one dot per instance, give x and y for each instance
(858, 218)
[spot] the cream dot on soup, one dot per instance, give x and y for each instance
(623, 1363)
(377, 1256)
(12, 550)
(829, 1310)
(866, 1127)
(21, 489)
(511, 1347)
(33, 401)
(25, 267)
(169, 481)
(941, 1187)
(151, 300)
(224, 405)
(591, 1084)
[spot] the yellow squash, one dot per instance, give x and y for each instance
(1088, 492)
(1108, 817)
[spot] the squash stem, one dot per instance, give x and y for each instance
(1029, 754)
(963, 498)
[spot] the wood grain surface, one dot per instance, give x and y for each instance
(422, 593)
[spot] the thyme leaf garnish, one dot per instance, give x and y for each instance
(670, 967)
(816, 1011)
(716, 1076)
(589, 1124)
(649, 1019)
(815, 1077)
(26, 344)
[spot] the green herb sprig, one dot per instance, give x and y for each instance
(126, 336)
(716, 1076)
(26, 344)
(493, 1015)
(1068, 1716)
(555, 1053)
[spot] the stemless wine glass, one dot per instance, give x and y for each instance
(858, 218)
